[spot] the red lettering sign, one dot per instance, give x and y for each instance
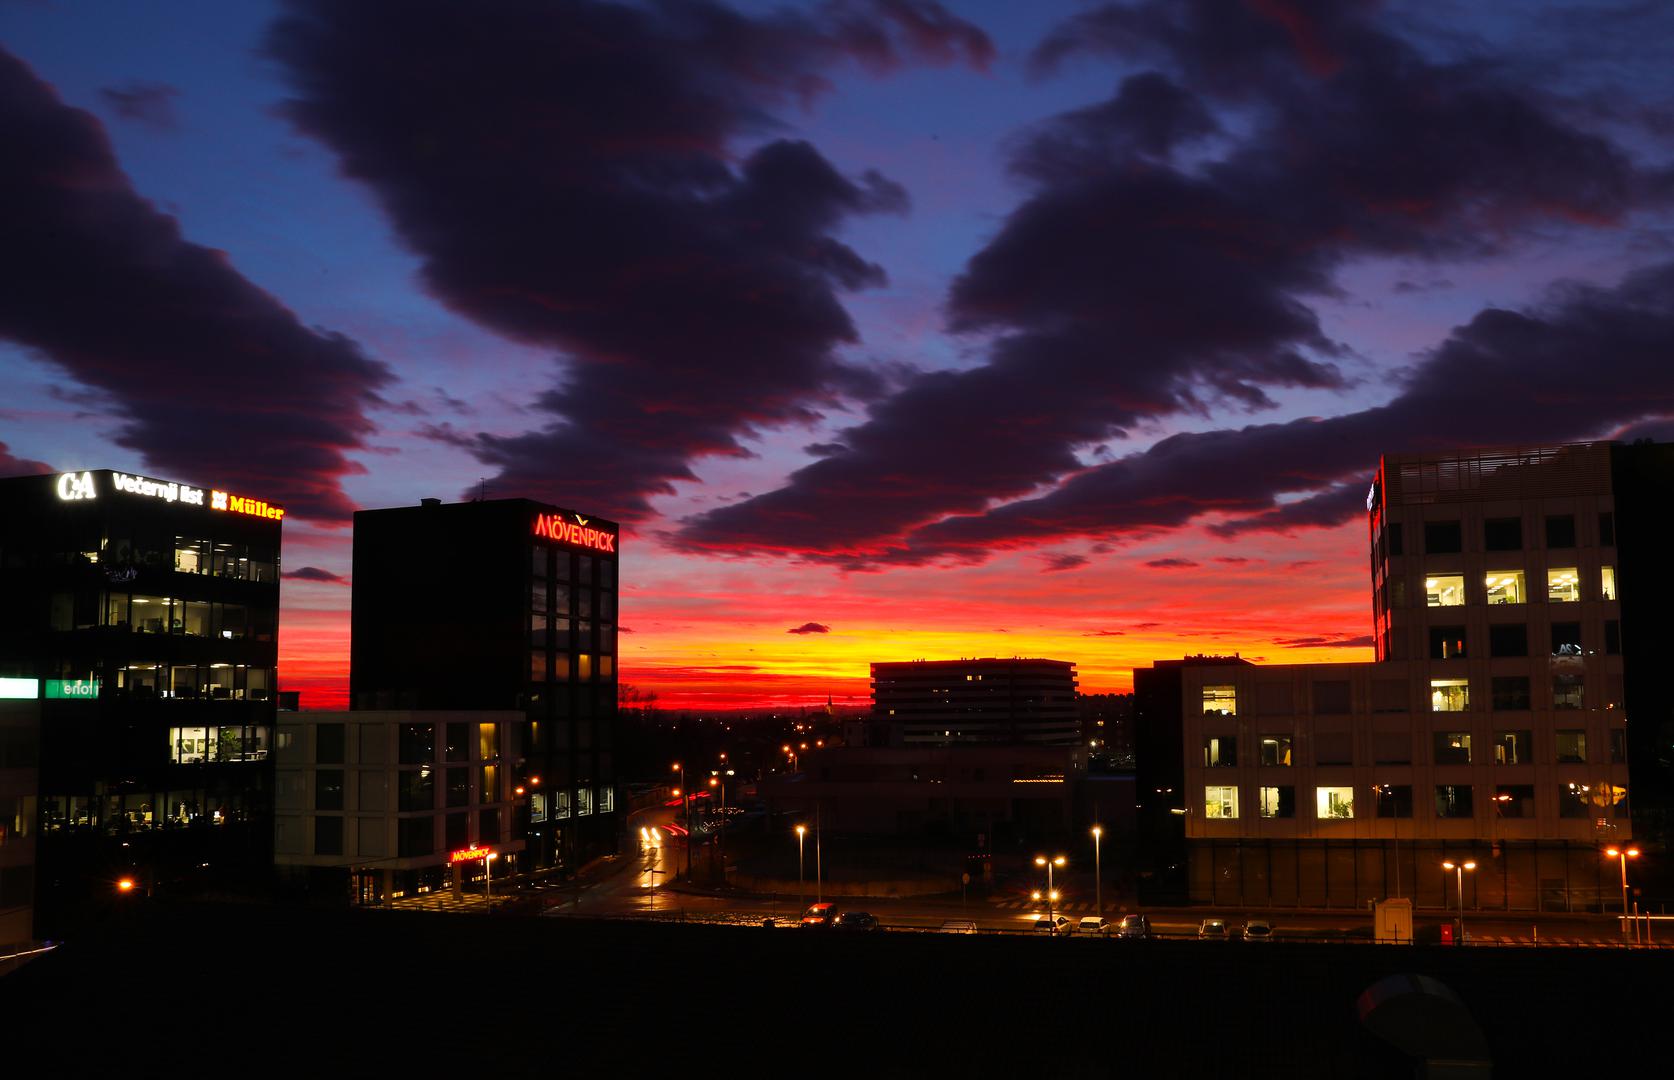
(238, 504)
(555, 527)
(470, 853)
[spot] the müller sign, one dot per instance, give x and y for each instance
(77, 487)
(578, 532)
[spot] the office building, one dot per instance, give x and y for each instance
(20, 722)
(144, 614)
(377, 805)
(1517, 608)
(955, 702)
(501, 605)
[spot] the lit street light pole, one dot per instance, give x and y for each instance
(1622, 855)
(686, 810)
(1459, 873)
(801, 888)
(1051, 893)
(1098, 876)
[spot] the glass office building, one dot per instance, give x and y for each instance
(496, 605)
(147, 612)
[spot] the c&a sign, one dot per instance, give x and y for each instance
(578, 532)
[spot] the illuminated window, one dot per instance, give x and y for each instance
(1334, 803)
(1607, 583)
(1275, 750)
(1510, 693)
(607, 800)
(607, 667)
(1572, 747)
(1454, 801)
(1450, 695)
(584, 666)
(1278, 802)
(1563, 585)
(561, 805)
(1220, 701)
(584, 802)
(1392, 800)
(1506, 587)
(488, 741)
(188, 559)
(1445, 590)
(1220, 801)
(1452, 748)
(1220, 751)
(1569, 690)
(1514, 801)
(488, 783)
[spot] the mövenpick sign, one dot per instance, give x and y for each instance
(577, 532)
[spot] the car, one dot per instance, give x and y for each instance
(1134, 927)
(820, 916)
(1257, 930)
(856, 920)
(1053, 924)
(959, 926)
(1094, 924)
(1212, 930)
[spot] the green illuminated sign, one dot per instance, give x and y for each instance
(75, 689)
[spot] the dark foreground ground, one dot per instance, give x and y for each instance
(241, 990)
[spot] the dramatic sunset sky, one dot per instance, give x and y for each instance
(889, 329)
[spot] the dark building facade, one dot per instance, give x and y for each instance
(1510, 719)
(148, 613)
(987, 700)
(502, 604)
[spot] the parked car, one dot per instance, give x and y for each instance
(1212, 930)
(856, 920)
(1053, 924)
(1134, 927)
(1094, 924)
(959, 926)
(820, 916)
(1258, 930)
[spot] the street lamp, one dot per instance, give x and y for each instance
(1051, 893)
(686, 811)
(1622, 855)
(1098, 878)
(488, 876)
(801, 889)
(1459, 873)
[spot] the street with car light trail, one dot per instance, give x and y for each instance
(646, 882)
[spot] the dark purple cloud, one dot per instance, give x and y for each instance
(568, 175)
(213, 379)
(11, 465)
(1165, 263)
(1172, 564)
(314, 573)
(1362, 642)
(810, 628)
(1058, 563)
(147, 103)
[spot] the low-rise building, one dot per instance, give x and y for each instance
(986, 700)
(377, 801)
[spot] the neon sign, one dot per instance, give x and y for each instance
(73, 487)
(157, 489)
(469, 854)
(72, 689)
(20, 689)
(555, 527)
(238, 504)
